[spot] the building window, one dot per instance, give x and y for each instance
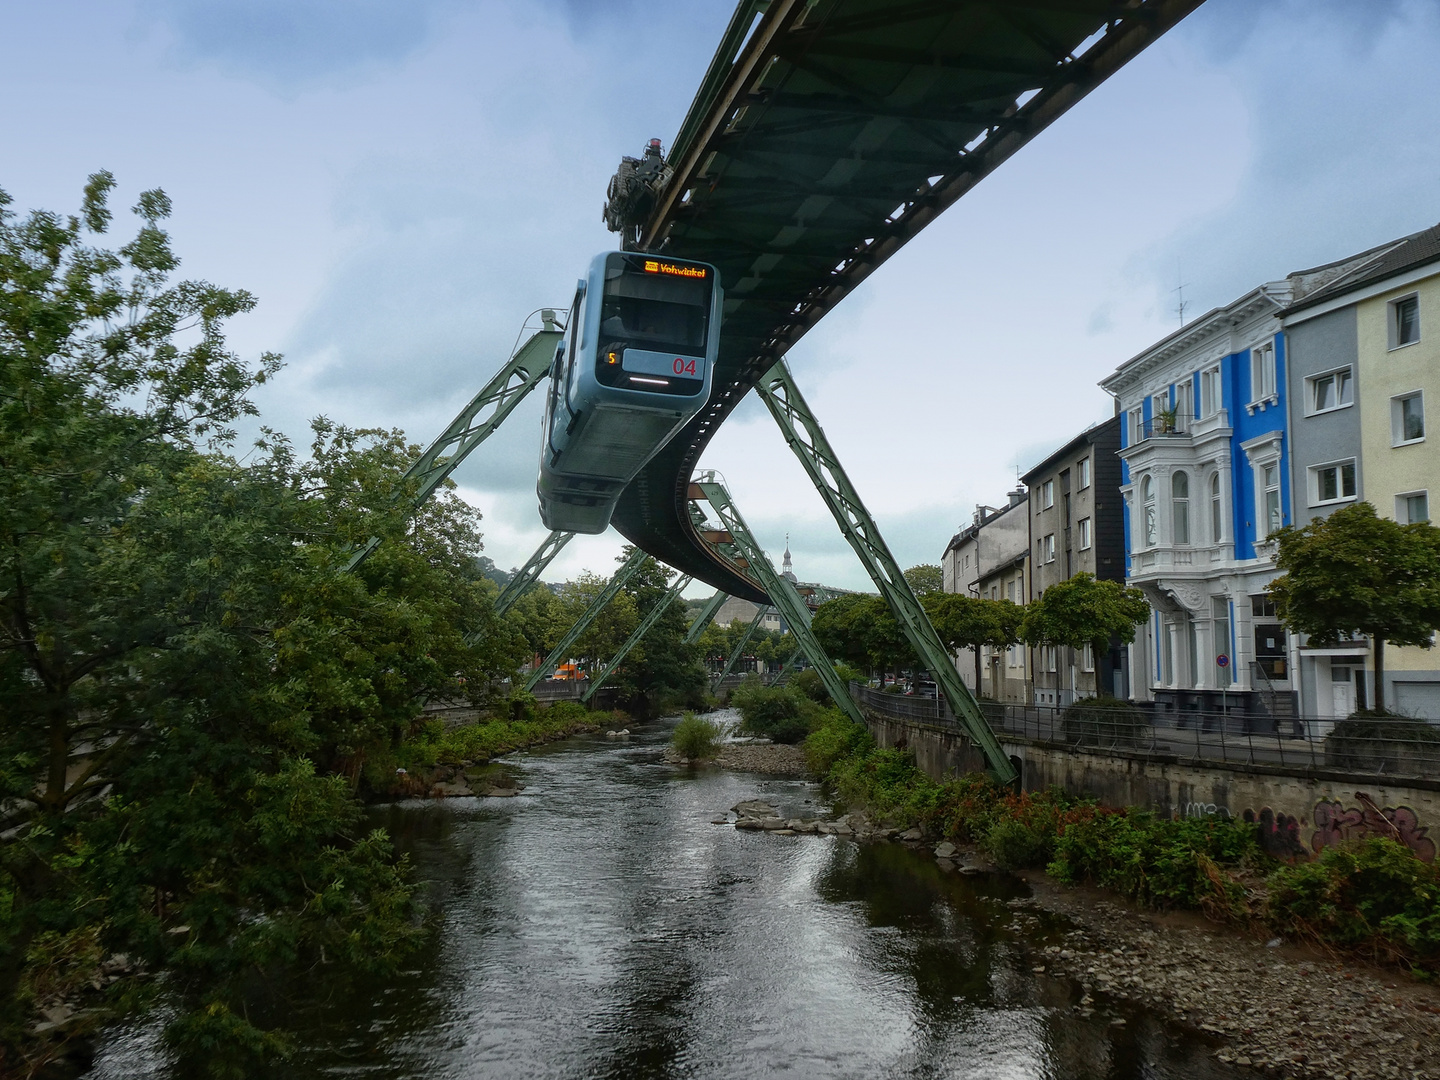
(1135, 426)
(1413, 507)
(1217, 511)
(1210, 398)
(1407, 419)
(1084, 470)
(1147, 499)
(1262, 372)
(1404, 321)
(1048, 658)
(1087, 657)
(1180, 507)
(1184, 405)
(1330, 391)
(1047, 548)
(1273, 516)
(1161, 416)
(1084, 534)
(1047, 494)
(1332, 483)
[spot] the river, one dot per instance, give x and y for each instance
(599, 925)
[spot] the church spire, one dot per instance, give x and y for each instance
(785, 570)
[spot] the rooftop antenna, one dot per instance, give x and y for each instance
(1179, 290)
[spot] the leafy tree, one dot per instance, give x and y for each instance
(192, 681)
(536, 617)
(925, 579)
(970, 622)
(608, 631)
(661, 667)
(1355, 572)
(1084, 610)
(860, 629)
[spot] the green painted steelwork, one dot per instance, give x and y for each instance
(487, 410)
(612, 588)
(782, 594)
(739, 650)
(825, 136)
(531, 571)
(597, 681)
(785, 668)
(805, 436)
(702, 620)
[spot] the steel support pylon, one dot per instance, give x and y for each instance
(487, 410)
(739, 650)
(646, 623)
(714, 604)
(782, 594)
(527, 575)
(789, 665)
(612, 587)
(803, 432)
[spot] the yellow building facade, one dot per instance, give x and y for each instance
(1398, 377)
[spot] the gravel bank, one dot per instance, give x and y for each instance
(1282, 1011)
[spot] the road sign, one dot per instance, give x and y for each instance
(1223, 660)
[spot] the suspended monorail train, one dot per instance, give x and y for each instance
(635, 364)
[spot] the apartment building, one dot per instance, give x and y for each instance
(988, 558)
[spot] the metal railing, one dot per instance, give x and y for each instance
(1374, 748)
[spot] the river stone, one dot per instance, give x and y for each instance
(749, 823)
(501, 792)
(945, 864)
(912, 834)
(840, 828)
(783, 832)
(945, 850)
(771, 824)
(754, 808)
(720, 819)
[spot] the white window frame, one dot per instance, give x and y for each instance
(1262, 374)
(1397, 418)
(1263, 490)
(1392, 320)
(1083, 528)
(1082, 468)
(1212, 394)
(1047, 548)
(1087, 658)
(1184, 404)
(1180, 509)
(1402, 506)
(1312, 387)
(1047, 494)
(1149, 520)
(1135, 421)
(1215, 500)
(1313, 482)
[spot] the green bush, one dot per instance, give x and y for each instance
(1375, 896)
(1104, 721)
(835, 737)
(1384, 742)
(1012, 844)
(696, 738)
(780, 713)
(1161, 862)
(809, 683)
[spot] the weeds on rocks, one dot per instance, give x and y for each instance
(1375, 897)
(696, 738)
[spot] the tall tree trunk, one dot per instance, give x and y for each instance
(1379, 673)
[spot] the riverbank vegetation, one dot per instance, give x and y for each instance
(1374, 897)
(696, 738)
(197, 689)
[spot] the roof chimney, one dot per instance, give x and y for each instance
(1017, 496)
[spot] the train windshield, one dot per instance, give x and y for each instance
(666, 310)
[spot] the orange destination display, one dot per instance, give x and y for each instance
(655, 266)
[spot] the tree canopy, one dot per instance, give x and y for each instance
(1355, 572)
(925, 579)
(1084, 610)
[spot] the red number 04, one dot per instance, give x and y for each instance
(684, 367)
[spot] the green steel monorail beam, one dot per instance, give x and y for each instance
(478, 420)
(714, 604)
(612, 588)
(527, 575)
(739, 650)
(806, 438)
(782, 594)
(640, 631)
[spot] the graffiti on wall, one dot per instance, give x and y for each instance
(1282, 835)
(1279, 833)
(1335, 823)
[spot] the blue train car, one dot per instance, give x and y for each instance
(634, 366)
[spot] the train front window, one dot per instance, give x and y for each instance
(664, 314)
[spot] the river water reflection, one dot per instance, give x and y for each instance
(598, 925)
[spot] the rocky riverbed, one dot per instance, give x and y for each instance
(1277, 1009)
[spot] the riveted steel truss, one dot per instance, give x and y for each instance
(782, 594)
(612, 588)
(714, 604)
(739, 650)
(804, 435)
(527, 366)
(531, 571)
(597, 681)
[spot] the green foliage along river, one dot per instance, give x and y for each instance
(599, 925)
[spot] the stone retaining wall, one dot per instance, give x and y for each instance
(1298, 812)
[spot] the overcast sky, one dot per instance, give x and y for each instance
(401, 182)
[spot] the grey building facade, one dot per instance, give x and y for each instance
(1077, 524)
